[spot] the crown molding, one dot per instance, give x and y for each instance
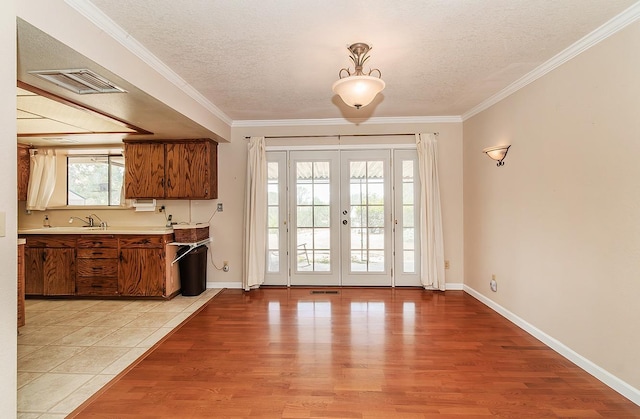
(342, 121)
(609, 28)
(102, 21)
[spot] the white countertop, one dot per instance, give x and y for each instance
(98, 230)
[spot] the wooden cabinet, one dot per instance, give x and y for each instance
(101, 265)
(191, 170)
(142, 266)
(144, 170)
(21, 318)
(50, 265)
(24, 166)
(177, 169)
(97, 265)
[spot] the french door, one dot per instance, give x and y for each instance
(334, 219)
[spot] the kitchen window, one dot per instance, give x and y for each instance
(95, 180)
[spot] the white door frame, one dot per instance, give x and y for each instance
(286, 273)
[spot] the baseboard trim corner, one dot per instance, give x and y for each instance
(598, 372)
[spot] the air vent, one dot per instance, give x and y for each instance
(80, 81)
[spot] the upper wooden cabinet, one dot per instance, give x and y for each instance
(176, 169)
(24, 164)
(144, 170)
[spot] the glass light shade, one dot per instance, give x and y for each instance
(497, 153)
(358, 91)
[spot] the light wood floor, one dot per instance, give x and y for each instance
(360, 353)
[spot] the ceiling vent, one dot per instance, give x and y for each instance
(80, 81)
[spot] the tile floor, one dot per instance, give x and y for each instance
(69, 349)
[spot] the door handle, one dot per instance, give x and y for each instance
(345, 212)
(344, 222)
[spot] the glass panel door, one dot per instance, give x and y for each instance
(277, 261)
(314, 205)
(366, 217)
(343, 218)
(406, 218)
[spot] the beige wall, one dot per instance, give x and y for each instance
(559, 224)
(226, 227)
(233, 167)
(8, 192)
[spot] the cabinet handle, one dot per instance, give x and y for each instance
(169, 183)
(162, 182)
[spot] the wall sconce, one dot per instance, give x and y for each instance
(497, 153)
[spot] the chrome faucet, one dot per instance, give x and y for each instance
(87, 223)
(103, 224)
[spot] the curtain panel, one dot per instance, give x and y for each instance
(42, 179)
(255, 215)
(431, 237)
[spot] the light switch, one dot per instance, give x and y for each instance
(3, 223)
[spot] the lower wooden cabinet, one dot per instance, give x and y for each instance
(21, 311)
(101, 265)
(141, 272)
(97, 266)
(50, 266)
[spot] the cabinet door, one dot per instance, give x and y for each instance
(141, 272)
(59, 272)
(188, 170)
(34, 271)
(24, 164)
(144, 170)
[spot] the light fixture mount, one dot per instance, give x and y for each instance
(497, 153)
(358, 89)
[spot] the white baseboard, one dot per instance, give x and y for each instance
(598, 372)
(232, 285)
(238, 285)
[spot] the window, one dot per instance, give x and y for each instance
(94, 180)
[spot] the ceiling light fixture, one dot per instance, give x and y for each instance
(358, 89)
(497, 153)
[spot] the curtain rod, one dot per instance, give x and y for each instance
(338, 135)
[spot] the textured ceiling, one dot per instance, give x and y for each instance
(277, 59)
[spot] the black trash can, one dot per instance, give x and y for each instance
(193, 270)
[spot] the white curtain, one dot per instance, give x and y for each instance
(255, 214)
(42, 179)
(432, 244)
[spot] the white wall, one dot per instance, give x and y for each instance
(8, 190)
(559, 224)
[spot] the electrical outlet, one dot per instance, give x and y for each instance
(446, 264)
(493, 284)
(219, 207)
(225, 265)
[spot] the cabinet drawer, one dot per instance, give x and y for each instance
(97, 286)
(97, 268)
(143, 241)
(97, 253)
(51, 241)
(98, 241)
